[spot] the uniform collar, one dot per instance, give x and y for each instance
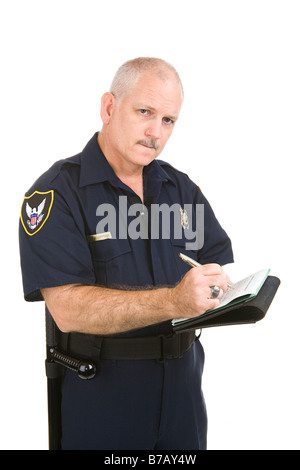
(94, 166)
(96, 169)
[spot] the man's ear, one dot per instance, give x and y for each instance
(108, 102)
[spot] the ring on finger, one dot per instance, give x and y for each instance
(215, 291)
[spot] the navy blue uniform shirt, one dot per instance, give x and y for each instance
(80, 197)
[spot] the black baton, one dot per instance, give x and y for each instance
(56, 363)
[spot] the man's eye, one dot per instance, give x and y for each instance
(168, 121)
(143, 111)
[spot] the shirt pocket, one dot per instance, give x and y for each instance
(106, 250)
(110, 260)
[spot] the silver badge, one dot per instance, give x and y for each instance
(184, 219)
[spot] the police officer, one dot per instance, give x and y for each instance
(110, 273)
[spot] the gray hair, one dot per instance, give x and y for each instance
(128, 74)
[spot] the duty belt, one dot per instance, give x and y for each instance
(154, 347)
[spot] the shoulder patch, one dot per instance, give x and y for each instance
(35, 211)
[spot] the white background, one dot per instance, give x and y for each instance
(237, 137)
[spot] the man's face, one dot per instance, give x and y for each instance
(143, 121)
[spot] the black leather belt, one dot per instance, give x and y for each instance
(157, 347)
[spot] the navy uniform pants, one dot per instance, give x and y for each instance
(133, 405)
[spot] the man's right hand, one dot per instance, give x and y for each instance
(193, 294)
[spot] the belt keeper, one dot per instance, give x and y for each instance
(162, 359)
(164, 353)
(96, 349)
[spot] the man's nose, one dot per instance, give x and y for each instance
(154, 130)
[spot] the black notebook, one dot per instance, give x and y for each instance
(248, 302)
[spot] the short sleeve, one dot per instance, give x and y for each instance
(53, 247)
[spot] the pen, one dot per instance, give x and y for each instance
(194, 264)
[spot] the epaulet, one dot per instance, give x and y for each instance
(56, 168)
(49, 175)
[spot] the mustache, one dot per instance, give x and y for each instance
(149, 143)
